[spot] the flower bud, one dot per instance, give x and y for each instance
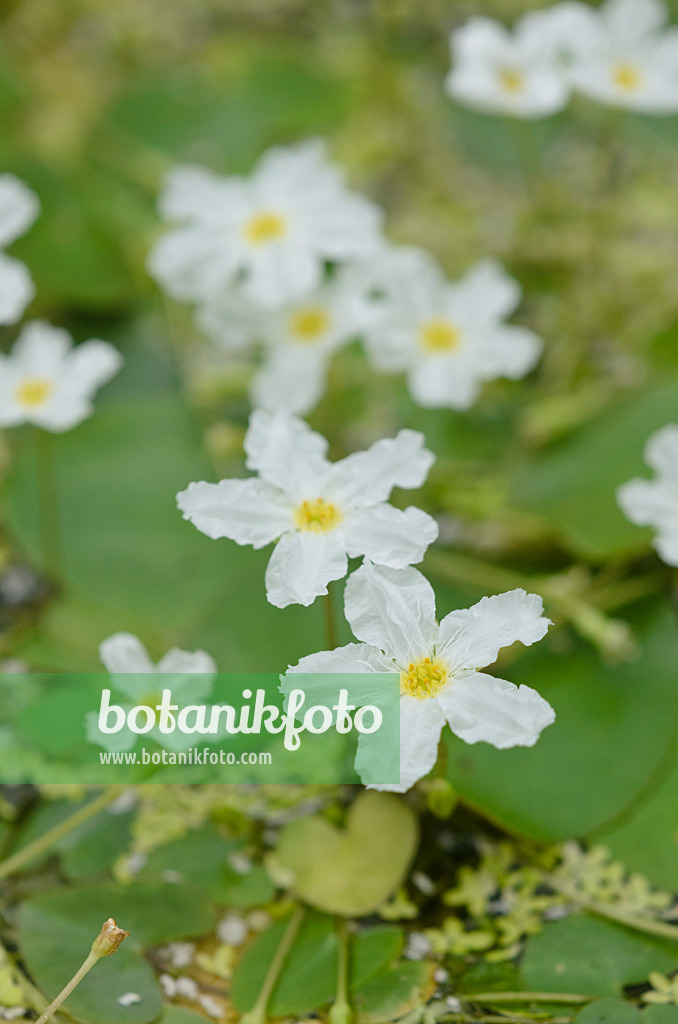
(108, 939)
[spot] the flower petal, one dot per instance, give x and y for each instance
(124, 652)
(649, 502)
(366, 478)
(292, 380)
(388, 536)
(16, 289)
(286, 453)
(41, 349)
(350, 658)
(474, 636)
(92, 364)
(481, 708)
(301, 566)
(421, 723)
(18, 208)
(392, 610)
(246, 511)
(661, 452)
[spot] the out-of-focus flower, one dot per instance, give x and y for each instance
(622, 53)
(298, 341)
(270, 234)
(321, 514)
(392, 613)
(664, 990)
(655, 502)
(47, 381)
(448, 338)
(18, 209)
(502, 71)
(188, 674)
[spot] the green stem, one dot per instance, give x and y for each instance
(330, 622)
(45, 841)
(257, 1015)
(608, 910)
(48, 498)
(341, 1012)
(89, 963)
(528, 997)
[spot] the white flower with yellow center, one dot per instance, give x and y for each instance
(188, 674)
(392, 612)
(270, 234)
(47, 381)
(655, 502)
(297, 342)
(18, 209)
(320, 513)
(622, 53)
(448, 338)
(499, 71)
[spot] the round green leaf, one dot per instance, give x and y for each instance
(609, 1011)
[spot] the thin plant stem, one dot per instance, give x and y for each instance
(257, 1015)
(528, 997)
(48, 498)
(40, 845)
(106, 943)
(330, 621)
(66, 991)
(341, 1012)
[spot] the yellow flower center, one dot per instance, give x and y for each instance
(511, 80)
(627, 76)
(309, 323)
(424, 678)
(265, 227)
(318, 516)
(440, 336)
(34, 391)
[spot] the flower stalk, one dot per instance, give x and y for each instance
(106, 943)
(257, 1015)
(48, 501)
(341, 1012)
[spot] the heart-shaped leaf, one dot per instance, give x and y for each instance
(348, 871)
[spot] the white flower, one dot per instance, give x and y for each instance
(449, 338)
(622, 54)
(271, 233)
(320, 513)
(232, 930)
(189, 675)
(18, 209)
(298, 341)
(392, 613)
(502, 72)
(47, 381)
(655, 502)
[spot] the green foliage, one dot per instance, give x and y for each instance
(354, 870)
(594, 957)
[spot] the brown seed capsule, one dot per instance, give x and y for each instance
(108, 939)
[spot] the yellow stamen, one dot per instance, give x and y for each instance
(34, 391)
(318, 516)
(439, 336)
(627, 76)
(424, 678)
(265, 227)
(309, 323)
(511, 80)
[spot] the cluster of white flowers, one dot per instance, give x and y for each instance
(44, 380)
(291, 264)
(621, 54)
